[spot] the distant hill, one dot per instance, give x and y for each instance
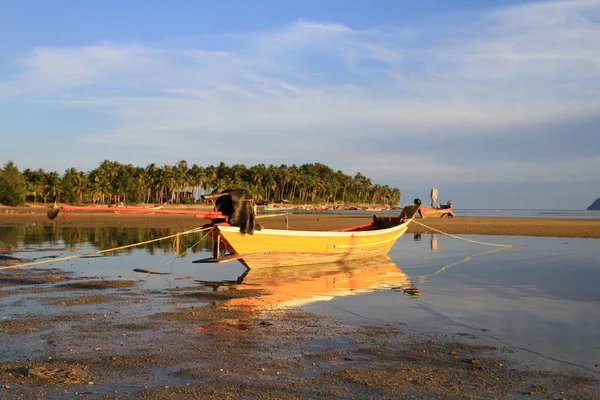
(595, 205)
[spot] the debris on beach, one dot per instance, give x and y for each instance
(147, 271)
(44, 375)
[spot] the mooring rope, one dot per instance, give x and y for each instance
(461, 238)
(171, 261)
(29, 264)
(423, 278)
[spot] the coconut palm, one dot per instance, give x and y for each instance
(112, 181)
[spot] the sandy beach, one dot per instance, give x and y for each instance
(98, 338)
(547, 227)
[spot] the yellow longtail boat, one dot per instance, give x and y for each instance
(237, 237)
(277, 247)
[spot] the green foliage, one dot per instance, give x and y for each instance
(112, 182)
(13, 186)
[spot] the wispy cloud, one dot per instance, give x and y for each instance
(312, 82)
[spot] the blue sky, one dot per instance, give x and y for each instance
(496, 103)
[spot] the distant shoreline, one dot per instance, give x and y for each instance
(465, 225)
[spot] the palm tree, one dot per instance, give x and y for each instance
(222, 184)
(112, 181)
(55, 186)
(270, 186)
(223, 170)
(36, 180)
(396, 195)
(68, 185)
(167, 183)
(294, 182)
(346, 182)
(103, 181)
(211, 177)
(80, 186)
(182, 179)
(150, 178)
(197, 177)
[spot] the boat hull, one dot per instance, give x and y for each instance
(274, 247)
(427, 212)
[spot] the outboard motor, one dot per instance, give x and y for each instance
(238, 205)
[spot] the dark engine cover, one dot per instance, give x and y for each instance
(239, 206)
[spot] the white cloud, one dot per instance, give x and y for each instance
(539, 41)
(308, 84)
(517, 58)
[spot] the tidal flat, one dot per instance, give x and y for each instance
(439, 318)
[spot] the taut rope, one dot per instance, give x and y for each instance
(29, 264)
(171, 261)
(461, 238)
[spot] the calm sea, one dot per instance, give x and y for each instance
(528, 213)
(541, 297)
(479, 212)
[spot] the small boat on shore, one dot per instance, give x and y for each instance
(443, 210)
(276, 208)
(236, 236)
(278, 247)
(149, 209)
(155, 207)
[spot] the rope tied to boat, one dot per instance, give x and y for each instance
(461, 238)
(178, 255)
(176, 235)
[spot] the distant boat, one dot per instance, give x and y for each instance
(155, 207)
(443, 210)
(273, 208)
(120, 208)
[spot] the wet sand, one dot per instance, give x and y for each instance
(112, 339)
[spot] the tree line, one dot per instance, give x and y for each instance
(112, 182)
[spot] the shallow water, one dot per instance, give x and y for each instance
(471, 212)
(541, 296)
(532, 213)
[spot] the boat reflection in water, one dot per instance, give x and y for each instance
(433, 244)
(302, 284)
